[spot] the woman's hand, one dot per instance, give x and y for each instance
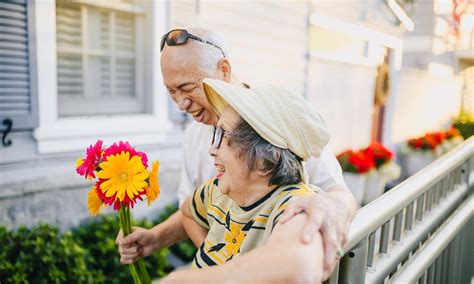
(330, 213)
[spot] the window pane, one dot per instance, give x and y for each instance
(105, 81)
(125, 77)
(105, 30)
(68, 25)
(97, 60)
(70, 75)
(125, 32)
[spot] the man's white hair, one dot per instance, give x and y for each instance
(209, 55)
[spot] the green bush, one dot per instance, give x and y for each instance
(41, 255)
(86, 254)
(98, 237)
(185, 250)
(465, 124)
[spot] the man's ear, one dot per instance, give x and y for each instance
(224, 69)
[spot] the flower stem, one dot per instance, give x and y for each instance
(137, 269)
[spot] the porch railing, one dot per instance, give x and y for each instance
(420, 231)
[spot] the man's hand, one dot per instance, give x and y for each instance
(140, 243)
(330, 213)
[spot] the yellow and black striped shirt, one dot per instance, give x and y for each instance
(234, 229)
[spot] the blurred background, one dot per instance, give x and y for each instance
(72, 72)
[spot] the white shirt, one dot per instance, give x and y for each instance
(198, 166)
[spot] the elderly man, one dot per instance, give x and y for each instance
(189, 56)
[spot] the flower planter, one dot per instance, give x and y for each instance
(357, 185)
(375, 186)
(417, 160)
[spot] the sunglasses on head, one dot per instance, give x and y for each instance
(180, 37)
(217, 136)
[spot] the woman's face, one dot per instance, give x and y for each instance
(232, 171)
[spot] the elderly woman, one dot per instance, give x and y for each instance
(258, 145)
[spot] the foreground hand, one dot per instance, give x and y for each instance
(327, 214)
(140, 243)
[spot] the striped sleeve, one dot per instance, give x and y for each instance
(200, 202)
(286, 197)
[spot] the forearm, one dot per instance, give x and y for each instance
(284, 259)
(170, 231)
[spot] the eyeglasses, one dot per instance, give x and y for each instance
(217, 135)
(180, 37)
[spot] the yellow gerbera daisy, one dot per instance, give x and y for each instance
(153, 190)
(123, 177)
(93, 201)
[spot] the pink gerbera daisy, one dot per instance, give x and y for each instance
(87, 166)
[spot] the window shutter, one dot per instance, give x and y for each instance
(16, 99)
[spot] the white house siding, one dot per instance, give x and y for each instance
(267, 39)
(343, 93)
(424, 102)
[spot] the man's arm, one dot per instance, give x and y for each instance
(283, 259)
(142, 242)
(196, 232)
(329, 213)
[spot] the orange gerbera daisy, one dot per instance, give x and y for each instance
(153, 190)
(93, 201)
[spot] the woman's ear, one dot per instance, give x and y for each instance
(224, 69)
(262, 170)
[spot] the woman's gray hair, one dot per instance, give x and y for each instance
(284, 165)
(209, 55)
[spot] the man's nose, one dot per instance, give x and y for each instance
(183, 103)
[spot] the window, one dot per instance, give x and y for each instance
(100, 57)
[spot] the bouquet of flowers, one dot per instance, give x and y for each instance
(122, 179)
(357, 162)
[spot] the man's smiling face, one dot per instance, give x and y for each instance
(182, 76)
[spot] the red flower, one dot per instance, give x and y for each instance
(378, 154)
(430, 141)
(355, 162)
(427, 142)
(439, 136)
(416, 143)
(87, 166)
(452, 133)
(113, 200)
(124, 146)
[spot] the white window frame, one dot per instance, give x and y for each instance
(64, 134)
